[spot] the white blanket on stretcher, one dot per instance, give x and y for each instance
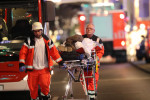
(87, 44)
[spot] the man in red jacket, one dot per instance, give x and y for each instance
(90, 29)
(36, 54)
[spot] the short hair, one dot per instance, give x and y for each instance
(90, 24)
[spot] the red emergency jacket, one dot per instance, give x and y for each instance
(99, 49)
(27, 52)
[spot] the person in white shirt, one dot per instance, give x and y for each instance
(36, 54)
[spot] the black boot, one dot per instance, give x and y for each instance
(35, 99)
(47, 97)
(92, 98)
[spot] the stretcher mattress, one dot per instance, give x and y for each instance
(71, 56)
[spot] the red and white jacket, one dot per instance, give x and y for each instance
(99, 48)
(27, 52)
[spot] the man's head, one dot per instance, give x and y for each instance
(37, 29)
(90, 29)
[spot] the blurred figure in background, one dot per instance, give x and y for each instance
(140, 50)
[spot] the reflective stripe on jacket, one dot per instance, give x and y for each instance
(27, 52)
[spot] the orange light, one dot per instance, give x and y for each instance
(82, 18)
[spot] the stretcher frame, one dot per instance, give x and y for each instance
(71, 66)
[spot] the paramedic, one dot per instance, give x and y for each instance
(90, 29)
(36, 54)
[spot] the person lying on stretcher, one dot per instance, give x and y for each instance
(79, 45)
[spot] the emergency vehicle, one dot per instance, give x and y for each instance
(19, 15)
(110, 28)
(10, 77)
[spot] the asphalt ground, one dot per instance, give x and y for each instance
(142, 65)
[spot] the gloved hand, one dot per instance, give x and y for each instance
(81, 56)
(29, 70)
(22, 67)
(62, 65)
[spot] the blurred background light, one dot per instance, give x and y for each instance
(56, 0)
(142, 26)
(122, 16)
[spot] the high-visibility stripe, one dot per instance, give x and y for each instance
(30, 67)
(29, 47)
(57, 60)
(91, 92)
(92, 96)
(98, 40)
(28, 41)
(101, 44)
(51, 67)
(22, 60)
(50, 42)
(25, 45)
(42, 94)
(51, 46)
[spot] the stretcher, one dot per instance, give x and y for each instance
(80, 63)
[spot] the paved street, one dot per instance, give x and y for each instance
(123, 82)
(142, 65)
(117, 82)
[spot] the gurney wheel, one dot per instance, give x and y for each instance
(92, 99)
(64, 98)
(71, 95)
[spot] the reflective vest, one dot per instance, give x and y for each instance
(89, 81)
(27, 52)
